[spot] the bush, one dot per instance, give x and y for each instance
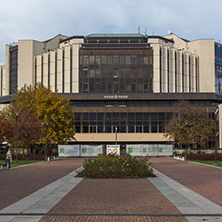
(111, 166)
(204, 156)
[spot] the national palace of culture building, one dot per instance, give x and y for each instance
(124, 85)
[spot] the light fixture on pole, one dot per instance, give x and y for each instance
(116, 133)
(46, 145)
(16, 119)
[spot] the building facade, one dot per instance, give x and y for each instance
(123, 87)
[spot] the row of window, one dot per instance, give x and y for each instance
(115, 87)
(96, 60)
(137, 103)
(153, 122)
(125, 122)
(120, 129)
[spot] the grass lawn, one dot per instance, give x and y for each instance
(20, 162)
(209, 162)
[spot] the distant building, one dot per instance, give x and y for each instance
(129, 81)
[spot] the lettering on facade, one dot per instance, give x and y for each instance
(116, 97)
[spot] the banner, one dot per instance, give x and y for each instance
(149, 150)
(165, 150)
(68, 150)
(137, 150)
(88, 150)
(113, 149)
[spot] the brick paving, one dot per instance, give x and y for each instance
(112, 219)
(204, 180)
(17, 183)
(115, 197)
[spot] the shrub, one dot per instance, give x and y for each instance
(111, 166)
(204, 156)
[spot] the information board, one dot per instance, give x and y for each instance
(113, 149)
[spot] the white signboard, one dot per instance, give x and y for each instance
(113, 149)
(87, 150)
(68, 150)
(137, 150)
(150, 150)
(165, 150)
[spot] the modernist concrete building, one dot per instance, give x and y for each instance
(121, 86)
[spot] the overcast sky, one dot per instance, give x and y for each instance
(43, 19)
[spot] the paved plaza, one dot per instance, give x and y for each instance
(49, 191)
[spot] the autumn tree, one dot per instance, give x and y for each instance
(29, 128)
(6, 130)
(56, 115)
(51, 108)
(190, 126)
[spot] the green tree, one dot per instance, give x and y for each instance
(190, 126)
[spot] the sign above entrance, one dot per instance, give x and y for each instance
(116, 97)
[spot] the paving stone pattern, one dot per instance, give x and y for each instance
(114, 196)
(204, 180)
(113, 219)
(16, 184)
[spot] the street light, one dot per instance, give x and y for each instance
(116, 133)
(46, 145)
(16, 119)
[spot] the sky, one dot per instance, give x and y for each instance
(43, 19)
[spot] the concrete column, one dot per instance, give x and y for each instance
(164, 74)
(156, 68)
(52, 70)
(39, 69)
(6, 79)
(75, 68)
(172, 71)
(186, 73)
(67, 70)
(220, 125)
(59, 70)
(193, 73)
(179, 72)
(45, 70)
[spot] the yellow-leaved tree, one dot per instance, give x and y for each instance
(54, 111)
(56, 115)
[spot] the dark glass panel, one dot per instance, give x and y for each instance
(100, 129)
(153, 116)
(85, 129)
(153, 129)
(130, 129)
(121, 60)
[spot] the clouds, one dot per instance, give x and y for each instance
(43, 19)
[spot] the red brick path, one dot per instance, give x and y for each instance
(114, 196)
(204, 180)
(15, 184)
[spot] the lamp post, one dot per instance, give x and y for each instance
(215, 152)
(46, 145)
(16, 119)
(116, 133)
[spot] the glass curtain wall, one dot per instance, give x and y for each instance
(116, 71)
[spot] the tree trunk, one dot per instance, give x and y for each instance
(28, 147)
